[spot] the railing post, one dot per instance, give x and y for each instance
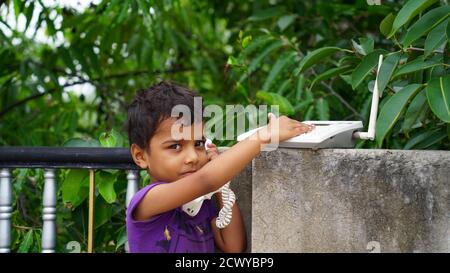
(91, 211)
(49, 212)
(5, 210)
(132, 188)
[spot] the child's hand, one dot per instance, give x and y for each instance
(212, 151)
(281, 129)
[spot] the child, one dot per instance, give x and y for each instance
(183, 170)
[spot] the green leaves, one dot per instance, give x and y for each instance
(435, 39)
(29, 14)
(232, 61)
(266, 14)
(300, 87)
(409, 11)
(426, 23)
(255, 44)
(75, 188)
(323, 110)
(111, 139)
(27, 241)
(67, 122)
(447, 32)
(276, 99)
(392, 110)
(438, 94)
(260, 57)
(387, 68)
(18, 7)
(425, 139)
(102, 212)
(365, 46)
(309, 113)
(315, 56)
(246, 41)
(418, 64)
(416, 109)
(402, 75)
(448, 131)
(285, 21)
(105, 182)
(364, 68)
(79, 142)
(122, 238)
(285, 60)
(330, 73)
(386, 24)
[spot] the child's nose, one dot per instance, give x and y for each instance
(191, 157)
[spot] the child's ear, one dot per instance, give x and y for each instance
(139, 156)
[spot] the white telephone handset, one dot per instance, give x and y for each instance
(228, 199)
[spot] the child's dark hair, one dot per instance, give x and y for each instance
(153, 105)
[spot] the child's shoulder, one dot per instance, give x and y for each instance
(140, 194)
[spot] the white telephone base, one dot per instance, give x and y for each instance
(334, 134)
(326, 134)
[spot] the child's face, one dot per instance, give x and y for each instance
(168, 159)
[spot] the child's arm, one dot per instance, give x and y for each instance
(216, 173)
(232, 238)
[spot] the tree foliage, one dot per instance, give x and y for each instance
(316, 59)
(324, 65)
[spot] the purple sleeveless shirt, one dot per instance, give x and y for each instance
(171, 231)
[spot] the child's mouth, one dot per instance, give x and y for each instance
(188, 173)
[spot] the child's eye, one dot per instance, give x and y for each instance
(175, 146)
(200, 143)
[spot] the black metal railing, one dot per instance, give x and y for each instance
(66, 157)
(51, 158)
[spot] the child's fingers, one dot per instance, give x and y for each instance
(211, 145)
(212, 151)
(309, 127)
(303, 129)
(213, 154)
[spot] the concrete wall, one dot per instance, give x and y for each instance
(242, 187)
(345, 200)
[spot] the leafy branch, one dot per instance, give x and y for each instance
(96, 81)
